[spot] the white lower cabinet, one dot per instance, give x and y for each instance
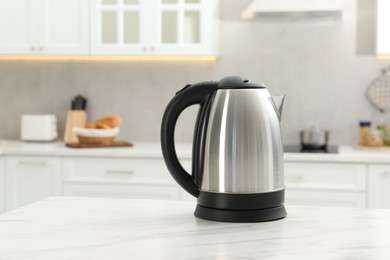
(379, 186)
(31, 178)
(326, 184)
(25, 179)
(325, 198)
(2, 185)
(144, 178)
(131, 191)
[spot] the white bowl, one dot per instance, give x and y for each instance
(90, 132)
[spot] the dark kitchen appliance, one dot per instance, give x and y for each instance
(237, 164)
(315, 138)
(296, 148)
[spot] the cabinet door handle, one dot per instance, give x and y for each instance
(129, 172)
(385, 173)
(30, 163)
(294, 177)
(33, 48)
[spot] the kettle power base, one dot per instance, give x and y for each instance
(241, 207)
(240, 216)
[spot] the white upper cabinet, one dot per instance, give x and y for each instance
(118, 26)
(183, 26)
(44, 26)
(383, 25)
(152, 27)
(64, 26)
(17, 24)
(108, 27)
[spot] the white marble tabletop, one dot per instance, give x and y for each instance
(94, 228)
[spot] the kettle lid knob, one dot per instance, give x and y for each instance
(236, 82)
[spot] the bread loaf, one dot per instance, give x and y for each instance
(107, 122)
(111, 121)
(90, 125)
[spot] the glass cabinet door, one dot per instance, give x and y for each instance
(152, 27)
(180, 26)
(183, 24)
(120, 25)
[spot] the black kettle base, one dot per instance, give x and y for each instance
(241, 207)
(223, 215)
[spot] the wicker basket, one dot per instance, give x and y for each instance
(96, 136)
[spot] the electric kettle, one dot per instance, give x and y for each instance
(237, 151)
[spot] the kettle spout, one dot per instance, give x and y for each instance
(277, 103)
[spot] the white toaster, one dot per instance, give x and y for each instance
(39, 128)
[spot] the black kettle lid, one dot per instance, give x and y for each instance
(236, 82)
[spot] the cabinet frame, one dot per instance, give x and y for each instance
(117, 177)
(2, 185)
(116, 48)
(40, 39)
(379, 186)
(150, 33)
(47, 169)
(318, 183)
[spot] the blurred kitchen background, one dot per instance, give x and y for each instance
(323, 64)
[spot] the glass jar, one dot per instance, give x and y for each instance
(380, 120)
(364, 127)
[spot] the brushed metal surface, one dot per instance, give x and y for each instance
(243, 149)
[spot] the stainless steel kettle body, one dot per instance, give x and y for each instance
(237, 164)
(243, 144)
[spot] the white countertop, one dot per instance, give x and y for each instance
(345, 154)
(92, 228)
(140, 149)
(153, 150)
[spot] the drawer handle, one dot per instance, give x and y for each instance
(385, 173)
(294, 178)
(41, 164)
(120, 172)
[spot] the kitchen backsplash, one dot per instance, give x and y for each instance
(314, 62)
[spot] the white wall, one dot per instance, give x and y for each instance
(317, 63)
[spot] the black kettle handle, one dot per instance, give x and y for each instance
(189, 95)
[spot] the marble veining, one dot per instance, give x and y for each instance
(96, 228)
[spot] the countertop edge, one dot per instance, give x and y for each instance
(152, 150)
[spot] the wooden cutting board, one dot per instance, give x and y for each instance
(114, 144)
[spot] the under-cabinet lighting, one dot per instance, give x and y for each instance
(383, 56)
(107, 58)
